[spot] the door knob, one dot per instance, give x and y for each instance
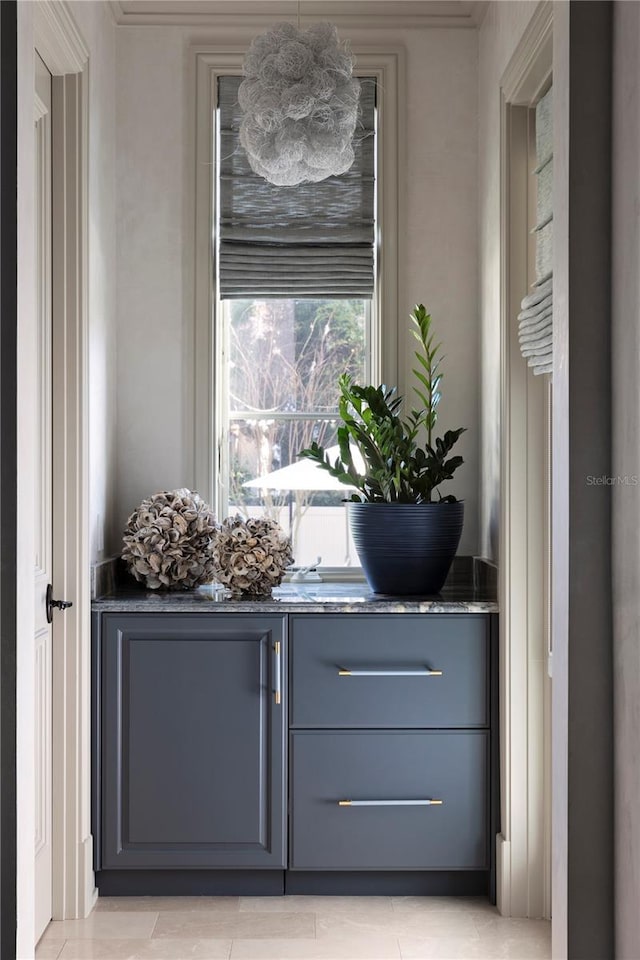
(51, 603)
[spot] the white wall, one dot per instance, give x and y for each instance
(97, 27)
(155, 93)
(154, 253)
(499, 35)
(626, 462)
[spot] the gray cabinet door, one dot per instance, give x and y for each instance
(193, 741)
(389, 800)
(389, 671)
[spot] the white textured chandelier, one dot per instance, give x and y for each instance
(300, 104)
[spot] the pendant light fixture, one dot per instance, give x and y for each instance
(300, 104)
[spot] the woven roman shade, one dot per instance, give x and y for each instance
(535, 320)
(314, 240)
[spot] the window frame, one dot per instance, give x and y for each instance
(208, 344)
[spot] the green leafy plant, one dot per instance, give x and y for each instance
(398, 467)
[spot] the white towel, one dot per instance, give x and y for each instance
(539, 308)
(541, 368)
(539, 292)
(540, 349)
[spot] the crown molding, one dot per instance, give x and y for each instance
(57, 38)
(529, 69)
(117, 12)
(40, 108)
(261, 13)
(479, 12)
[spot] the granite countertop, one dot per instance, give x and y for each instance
(469, 594)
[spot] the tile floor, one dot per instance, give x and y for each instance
(295, 928)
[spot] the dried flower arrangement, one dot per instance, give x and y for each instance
(168, 541)
(250, 556)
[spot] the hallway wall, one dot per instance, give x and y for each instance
(500, 33)
(96, 25)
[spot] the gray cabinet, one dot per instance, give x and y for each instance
(389, 800)
(192, 741)
(389, 671)
(312, 753)
(390, 744)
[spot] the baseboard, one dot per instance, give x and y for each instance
(503, 878)
(398, 883)
(89, 891)
(190, 883)
(265, 883)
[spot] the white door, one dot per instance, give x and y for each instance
(43, 499)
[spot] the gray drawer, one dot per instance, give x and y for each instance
(385, 775)
(389, 659)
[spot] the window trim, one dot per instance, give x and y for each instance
(388, 67)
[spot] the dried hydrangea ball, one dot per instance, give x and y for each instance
(168, 541)
(251, 556)
(300, 104)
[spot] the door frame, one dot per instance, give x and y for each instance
(65, 53)
(8, 472)
(523, 845)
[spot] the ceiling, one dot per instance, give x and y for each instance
(434, 13)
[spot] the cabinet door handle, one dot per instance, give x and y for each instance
(420, 672)
(277, 673)
(390, 803)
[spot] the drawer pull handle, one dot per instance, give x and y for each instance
(277, 671)
(390, 803)
(421, 672)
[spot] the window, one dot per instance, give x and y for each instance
(217, 315)
(283, 362)
(296, 269)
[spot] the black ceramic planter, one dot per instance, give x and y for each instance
(406, 548)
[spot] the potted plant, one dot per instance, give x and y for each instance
(406, 533)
